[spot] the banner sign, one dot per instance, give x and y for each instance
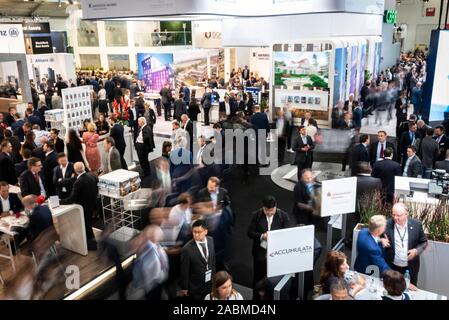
(41, 45)
(36, 27)
(338, 196)
(290, 250)
(11, 38)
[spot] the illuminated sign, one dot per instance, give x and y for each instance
(390, 16)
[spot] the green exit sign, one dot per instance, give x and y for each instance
(390, 16)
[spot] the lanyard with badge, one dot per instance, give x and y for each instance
(402, 237)
(208, 273)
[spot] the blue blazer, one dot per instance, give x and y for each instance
(369, 253)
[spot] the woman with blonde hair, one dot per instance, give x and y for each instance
(222, 288)
(90, 140)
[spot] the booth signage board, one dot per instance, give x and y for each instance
(51, 66)
(11, 38)
(338, 196)
(207, 34)
(41, 45)
(36, 27)
(290, 250)
(390, 16)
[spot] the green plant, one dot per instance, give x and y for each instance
(435, 218)
(370, 205)
(367, 75)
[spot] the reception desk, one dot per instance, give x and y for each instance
(69, 224)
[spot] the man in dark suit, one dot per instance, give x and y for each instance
(63, 176)
(260, 122)
(50, 162)
(412, 166)
(31, 180)
(7, 172)
(369, 247)
(85, 193)
(40, 219)
(408, 138)
(187, 125)
(111, 160)
(206, 102)
(377, 149)
(346, 122)
(307, 117)
(386, 170)
(11, 116)
(144, 145)
(117, 134)
(404, 242)
(303, 146)
(197, 263)
(444, 165)
(140, 104)
(428, 153)
(132, 119)
(245, 73)
(268, 218)
(360, 153)
(9, 202)
(213, 193)
(443, 142)
(303, 194)
(166, 98)
(23, 165)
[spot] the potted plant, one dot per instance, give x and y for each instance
(435, 259)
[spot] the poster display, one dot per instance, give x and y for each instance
(51, 66)
(339, 75)
(77, 106)
(290, 250)
(302, 81)
(353, 70)
(440, 93)
(362, 66)
(260, 62)
(377, 58)
(338, 196)
(155, 69)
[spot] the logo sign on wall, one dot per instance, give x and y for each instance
(207, 34)
(11, 38)
(290, 250)
(41, 45)
(36, 27)
(338, 196)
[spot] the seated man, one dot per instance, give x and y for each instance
(9, 202)
(40, 219)
(369, 248)
(339, 291)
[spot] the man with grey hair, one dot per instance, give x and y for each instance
(84, 193)
(416, 98)
(369, 249)
(404, 241)
(144, 145)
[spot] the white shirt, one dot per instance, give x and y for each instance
(311, 132)
(179, 217)
(39, 134)
(199, 156)
(379, 145)
(102, 94)
(5, 204)
(269, 222)
(227, 108)
(200, 247)
(400, 245)
(407, 163)
(133, 110)
(140, 136)
(63, 170)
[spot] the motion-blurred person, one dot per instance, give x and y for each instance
(303, 195)
(339, 291)
(268, 218)
(303, 147)
(222, 288)
(150, 269)
(197, 263)
(386, 170)
(16, 146)
(85, 193)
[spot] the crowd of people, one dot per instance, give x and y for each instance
(191, 213)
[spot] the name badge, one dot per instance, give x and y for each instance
(208, 276)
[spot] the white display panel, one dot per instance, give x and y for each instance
(11, 38)
(290, 250)
(338, 196)
(77, 106)
(440, 92)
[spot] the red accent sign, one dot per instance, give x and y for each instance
(430, 12)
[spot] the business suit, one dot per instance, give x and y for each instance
(15, 205)
(151, 117)
(166, 98)
(245, 74)
(206, 102)
(7, 172)
(66, 181)
(416, 240)
(404, 142)
(443, 145)
(143, 149)
(119, 139)
(194, 267)
(415, 167)
(20, 167)
(357, 117)
(29, 185)
(50, 162)
(428, 152)
(303, 159)
(337, 115)
(369, 253)
(188, 127)
(180, 109)
(257, 227)
(386, 170)
(112, 161)
(373, 150)
(222, 198)
(444, 165)
(59, 145)
(84, 193)
(132, 121)
(16, 157)
(301, 195)
(359, 154)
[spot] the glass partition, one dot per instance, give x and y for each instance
(116, 33)
(87, 33)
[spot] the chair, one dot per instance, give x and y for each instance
(43, 245)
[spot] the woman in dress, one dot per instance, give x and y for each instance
(90, 139)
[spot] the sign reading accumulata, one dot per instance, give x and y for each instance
(338, 196)
(290, 250)
(77, 106)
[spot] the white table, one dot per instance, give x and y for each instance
(6, 223)
(366, 293)
(69, 224)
